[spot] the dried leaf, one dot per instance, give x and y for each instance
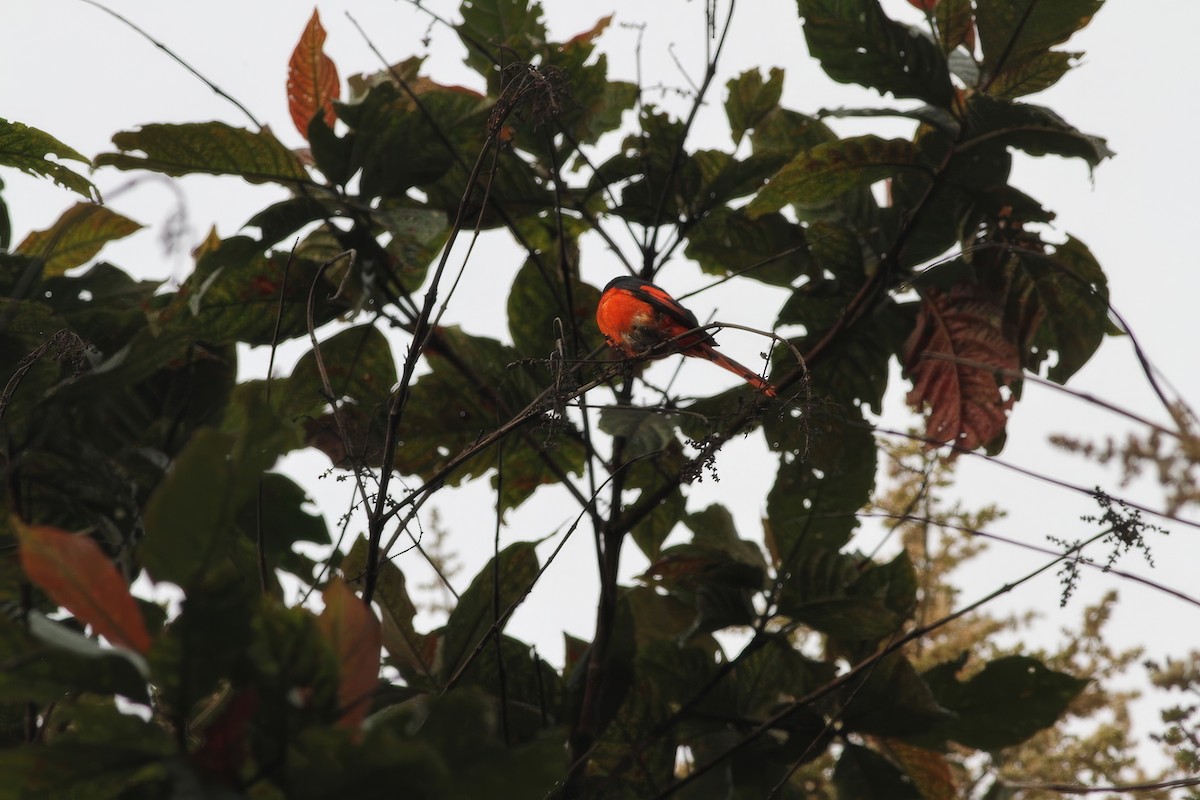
(354, 632)
(312, 83)
(76, 574)
(964, 400)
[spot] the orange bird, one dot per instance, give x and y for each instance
(635, 316)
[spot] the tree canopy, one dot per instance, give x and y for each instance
(786, 664)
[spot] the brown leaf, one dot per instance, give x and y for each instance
(928, 769)
(354, 632)
(75, 573)
(954, 334)
(312, 83)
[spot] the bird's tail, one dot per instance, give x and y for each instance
(745, 373)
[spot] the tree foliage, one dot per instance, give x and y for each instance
(130, 448)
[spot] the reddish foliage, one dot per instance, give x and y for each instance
(225, 747)
(76, 574)
(964, 399)
(312, 83)
(356, 637)
(924, 5)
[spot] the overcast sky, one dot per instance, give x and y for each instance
(70, 69)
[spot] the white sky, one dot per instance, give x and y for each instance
(80, 75)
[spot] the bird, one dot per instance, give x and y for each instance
(635, 316)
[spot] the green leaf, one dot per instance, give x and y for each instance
(417, 236)
(817, 176)
(27, 149)
(208, 641)
(891, 699)
(279, 510)
(846, 596)
(857, 43)
(1013, 698)
(540, 310)
(826, 474)
(189, 517)
(361, 369)
(864, 774)
(955, 20)
(783, 133)
(212, 148)
(1014, 33)
(750, 99)
(476, 612)
(76, 237)
(490, 27)
(645, 431)
(46, 659)
(1040, 72)
(1034, 129)
(771, 248)
(394, 143)
(280, 220)
(475, 384)
(233, 295)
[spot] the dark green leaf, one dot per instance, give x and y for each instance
(417, 236)
(1039, 72)
(540, 310)
(47, 659)
(233, 295)
(819, 175)
(212, 148)
(770, 249)
(954, 20)
(475, 612)
(280, 220)
(475, 384)
(278, 511)
(863, 774)
(1014, 33)
(27, 149)
(1013, 698)
(1035, 129)
(395, 144)
(846, 596)
(361, 369)
(857, 43)
(783, 133)
(645, 431)
(76, 237)
(826, 474)
(750, 98)
(500, 31)
(890, 699)
(332, 153)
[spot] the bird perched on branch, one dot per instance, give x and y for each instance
(636, 316)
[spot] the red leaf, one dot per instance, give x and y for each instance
(75, 573)
(924, 5)
(226, 741)
(964, 400)
(312, 83)
(354, 632)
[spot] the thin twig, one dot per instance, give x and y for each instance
(178, 60)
